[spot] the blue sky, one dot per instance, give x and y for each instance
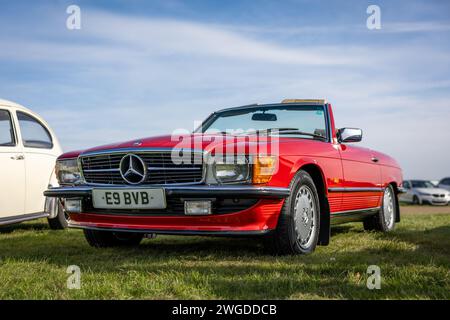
(140, 68)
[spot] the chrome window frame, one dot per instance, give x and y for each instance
(15, 142)
(212, 117)
(36, 120)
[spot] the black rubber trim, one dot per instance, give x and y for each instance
(353, 212)
(197, 191)
(352, 215)
(68, 192)
(375, 189)
(179, 232)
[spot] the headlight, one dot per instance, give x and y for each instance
(231, 169)
(241, 169)
(424, 193)
(67, 172)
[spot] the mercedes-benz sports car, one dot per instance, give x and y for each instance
(280, 171)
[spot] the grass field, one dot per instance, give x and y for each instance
(414, 262)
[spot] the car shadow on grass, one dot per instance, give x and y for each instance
(30, 226)
(427, 241)
(72, 243)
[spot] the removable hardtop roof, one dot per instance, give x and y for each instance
(296, 102)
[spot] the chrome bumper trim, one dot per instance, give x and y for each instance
(178, 232)
(195, 191)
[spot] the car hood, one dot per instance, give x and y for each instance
(202, 142)
(431, 190)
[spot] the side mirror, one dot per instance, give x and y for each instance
(349, 135)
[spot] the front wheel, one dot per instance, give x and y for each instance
(384, 220)
(297, 231)
(104, 239)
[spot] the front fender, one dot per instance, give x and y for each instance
(301, 162)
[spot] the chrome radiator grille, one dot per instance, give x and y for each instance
(105, 168)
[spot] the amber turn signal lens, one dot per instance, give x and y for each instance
(263, 169)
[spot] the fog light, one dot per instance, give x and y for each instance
(197, 207)
(72, 205)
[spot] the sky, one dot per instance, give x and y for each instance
(143, 68)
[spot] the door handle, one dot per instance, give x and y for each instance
(18, 157)
(374, 159)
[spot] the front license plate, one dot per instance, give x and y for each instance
(128, 199)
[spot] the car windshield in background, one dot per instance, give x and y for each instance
(297, 121)
(422, 184)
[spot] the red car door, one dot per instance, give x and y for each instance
(362, 178)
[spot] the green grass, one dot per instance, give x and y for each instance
(414, 262)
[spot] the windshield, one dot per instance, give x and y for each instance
(298, 121)
(422, 184)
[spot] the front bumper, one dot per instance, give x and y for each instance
(434, 200)
(260, 217)
(183, 191)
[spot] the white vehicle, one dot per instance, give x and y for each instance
(423, 191)
(28, 152)
(444, 184)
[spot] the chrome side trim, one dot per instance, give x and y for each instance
(356, 189)
(352, 215)
(349, 212)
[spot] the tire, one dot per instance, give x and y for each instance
(298, 225)
(384, 220)
(61, 220)
(416, 200)
(105, 239)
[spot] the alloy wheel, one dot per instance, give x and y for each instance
(388, 208)
(305, 212)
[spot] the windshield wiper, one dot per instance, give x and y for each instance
(289, 131)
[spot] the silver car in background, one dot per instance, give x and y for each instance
(444, 184)
(423, 191)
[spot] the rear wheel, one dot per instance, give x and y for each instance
(104, 239)
(297, 231)
(384, 220)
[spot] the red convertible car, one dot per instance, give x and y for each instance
(280, 171)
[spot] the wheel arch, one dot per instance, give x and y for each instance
(397, 203)
(318, 177)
